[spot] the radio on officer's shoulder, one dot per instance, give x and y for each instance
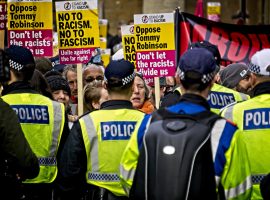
(4, 68)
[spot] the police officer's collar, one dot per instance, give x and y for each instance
(261, 88)
(116, 104)
(18, 87)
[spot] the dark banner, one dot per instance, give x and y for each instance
(236, 43)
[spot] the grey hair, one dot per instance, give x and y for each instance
(85, 67)
(68, 68)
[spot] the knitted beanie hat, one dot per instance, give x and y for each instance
(58, 83)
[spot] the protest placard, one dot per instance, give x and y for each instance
(213, 11)
(155, 45)
(128, 43)
(103, 42)
(105, 56)
(3, 15)
(103, 27)
(28, 27)
(78, 32)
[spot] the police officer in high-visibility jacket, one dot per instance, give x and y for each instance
(253, 119)
(95, 145)
(42, 121)
(227, 146)
(219, 96)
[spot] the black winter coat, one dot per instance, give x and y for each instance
(16, 156)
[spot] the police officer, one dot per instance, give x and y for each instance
(95, 145)
(219, 97)
(17, 161)
(253, 119)
(198, 69)
(42, 121)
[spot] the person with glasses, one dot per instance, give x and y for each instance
(93, 72)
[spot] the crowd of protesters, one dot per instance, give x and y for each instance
(73, 161)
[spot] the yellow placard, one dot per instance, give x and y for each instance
(29, 15)
(128, 43)
(103, 43)
(213, 8)
(103, 27)
(106, 56)
(155, 44)
(154, 36)
(129, 50)
(77, 29)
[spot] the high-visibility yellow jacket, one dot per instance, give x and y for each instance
(253, 120)
(220, 96)
(105, 137)
(231, 165)
(42, 122)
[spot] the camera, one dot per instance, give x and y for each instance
(4, 67)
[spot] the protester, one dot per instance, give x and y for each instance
(221, 154)
(93, 72)
(167, 85)
(170, 83)
(61, 93)
(43, 64)
(40, 84)
(252, 118)
(94, 95)
(60, 89)
(42, 121)
(94, 148)
(70, 74)
(140, 96)
(17, 161)
(172, 96)
(237, 77)
(162, 86)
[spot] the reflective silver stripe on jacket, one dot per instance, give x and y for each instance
(58, 117)
(93, 138)
(110, 177)
(229, 113)
(47, 161)
(244, 97)
(239, 189)
(256, 179)
(216, 133)
(127, 174)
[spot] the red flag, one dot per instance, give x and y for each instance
(199, 8)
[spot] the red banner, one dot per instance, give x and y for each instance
(236, 43)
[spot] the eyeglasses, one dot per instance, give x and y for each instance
(90, 79)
